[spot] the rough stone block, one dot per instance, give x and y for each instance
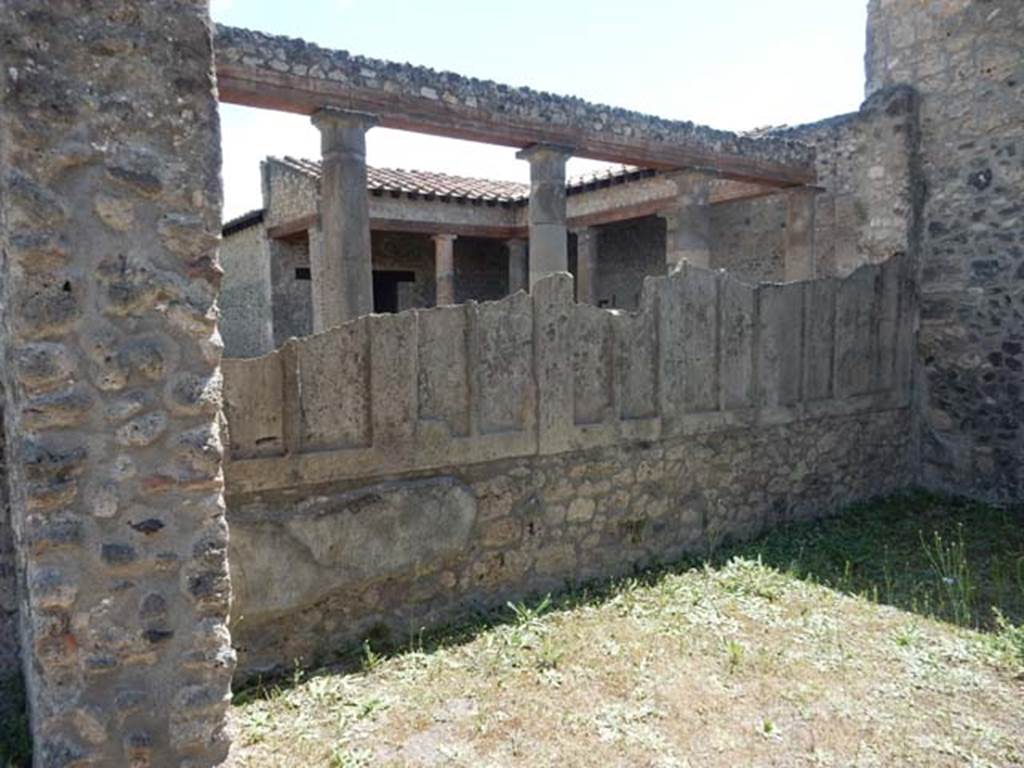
(780, 353)
(699, 339)
(505, 386)
(330, 543)
(592, 364)
(737, 344)
(253, 398)
(442, 369)
(334, 384)
(636, 360)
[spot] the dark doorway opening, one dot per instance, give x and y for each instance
(385, 288)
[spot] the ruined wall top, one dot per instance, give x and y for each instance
(247, 62)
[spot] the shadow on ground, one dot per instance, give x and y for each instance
(943, 558)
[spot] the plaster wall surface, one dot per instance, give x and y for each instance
(627, 253)
(748, 238)
(866, 165)
(110, 210)
(246, 317)
(966, 60)
(481, 269)
(407, 253)
(291, 297)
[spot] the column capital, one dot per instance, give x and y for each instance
(541, 152)
(329, 117)
(441, 237)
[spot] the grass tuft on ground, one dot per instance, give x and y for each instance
(889, 635)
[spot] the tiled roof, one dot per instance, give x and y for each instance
(397, 181)
(246, 220)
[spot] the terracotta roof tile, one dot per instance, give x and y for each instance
(398, 181)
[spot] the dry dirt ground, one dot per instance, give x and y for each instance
(745, 659)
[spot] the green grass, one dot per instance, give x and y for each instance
(890, 634)
(765, 641)
(944, 558)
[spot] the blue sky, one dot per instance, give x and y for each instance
(733, 64)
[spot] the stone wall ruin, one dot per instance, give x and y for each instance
(376, 446)
(966, 62)
(110, 204)
(865, 210)
(463, 482)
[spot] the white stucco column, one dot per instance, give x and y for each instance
(341, 267)
(548, 245)
(444, 269)
(518, 266)
(586, 265)
(688, 221)
(799, 257)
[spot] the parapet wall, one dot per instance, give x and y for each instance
(540, 374)
(400, 468)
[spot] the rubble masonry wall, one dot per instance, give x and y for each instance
(966, 61)
(110, 202)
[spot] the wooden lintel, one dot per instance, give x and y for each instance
(269, 89)
(293, 227)
(441, 228)
(651, 207)
(301, 224)
(662, 204)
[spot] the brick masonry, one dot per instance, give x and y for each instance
(111, 206)
(966, 60)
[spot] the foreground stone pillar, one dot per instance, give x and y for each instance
(444, 269)
(799, 258)
(586, 265)
(518, 266)
(110, 365)
(342, 267)
(548, 244)
(688, 221)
